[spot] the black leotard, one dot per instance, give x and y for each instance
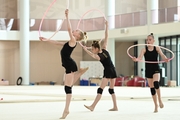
(67, 62)
(109, 69)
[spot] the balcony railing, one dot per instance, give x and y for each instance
(95, 24)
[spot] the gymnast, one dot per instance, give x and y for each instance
(152, 70)
(72, 75)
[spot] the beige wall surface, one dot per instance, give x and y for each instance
(167, 3)
(128, 6)
(76, 8)
(8, 8)
(45, 61)
(123, 63)
(9, 61)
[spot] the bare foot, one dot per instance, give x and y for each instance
(161, 105)
(64, 115)
(156, 109)
(113, 109)
(89, 107)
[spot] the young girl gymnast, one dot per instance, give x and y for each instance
(152, 70)
(72, 75)
(109, 70)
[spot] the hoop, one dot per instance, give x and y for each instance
(49, 7)
(150, 45)
(85, 15)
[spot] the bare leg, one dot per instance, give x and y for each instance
(79, 73)
(161, 105)
(98, 97)
(155, 103)
(66, 109)
(156, 77)
(115, 108)
(154, 97)
(68, 82)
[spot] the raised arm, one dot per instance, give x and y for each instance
(162, 55)
(72, 39)
(95, 56)
(140, 56)
(106, 36)
(51, 41)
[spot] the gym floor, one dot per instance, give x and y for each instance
(47, 103)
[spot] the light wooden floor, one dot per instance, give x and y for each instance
(47, 103)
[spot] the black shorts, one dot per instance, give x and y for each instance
(70, 67)
(150, 72)
(110, 73)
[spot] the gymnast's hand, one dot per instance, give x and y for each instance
(66, 12)
(134, 59)
(42, 39)
(84, 47)
(167, 60)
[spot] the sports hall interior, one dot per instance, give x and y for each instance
(41, 94)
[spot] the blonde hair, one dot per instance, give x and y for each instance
(83, 35)
(151, 35)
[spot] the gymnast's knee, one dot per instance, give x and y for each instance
(111, 91)
(153, 91)
(99, 90)
(156, 84)
(67, 90)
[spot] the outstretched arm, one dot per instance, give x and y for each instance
(106, 36)
(162, 55)
(95, 56)
(51, 41)
(72, 39)
(140, 56)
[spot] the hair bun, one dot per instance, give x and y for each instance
(85, 33)
(151, 34)
(95, 42)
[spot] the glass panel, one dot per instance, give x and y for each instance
(117, 21)
(88, 25)
(171, 13)
(126, 20)
(162, 15)
(98, 23)
(140, 18)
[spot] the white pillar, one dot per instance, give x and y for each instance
(141, 65)
(178, 9)
(110, 12)
(24, 40)
(111, 49)
(155, 11)
(156, 38)
(152, 13)
(178, 65)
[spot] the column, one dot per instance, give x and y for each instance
(178, 9)
(152, 13)
(24, 40)
(141, 65)
(178, 65)
(156, 38)
(110, 12)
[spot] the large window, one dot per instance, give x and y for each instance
(172, 68)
